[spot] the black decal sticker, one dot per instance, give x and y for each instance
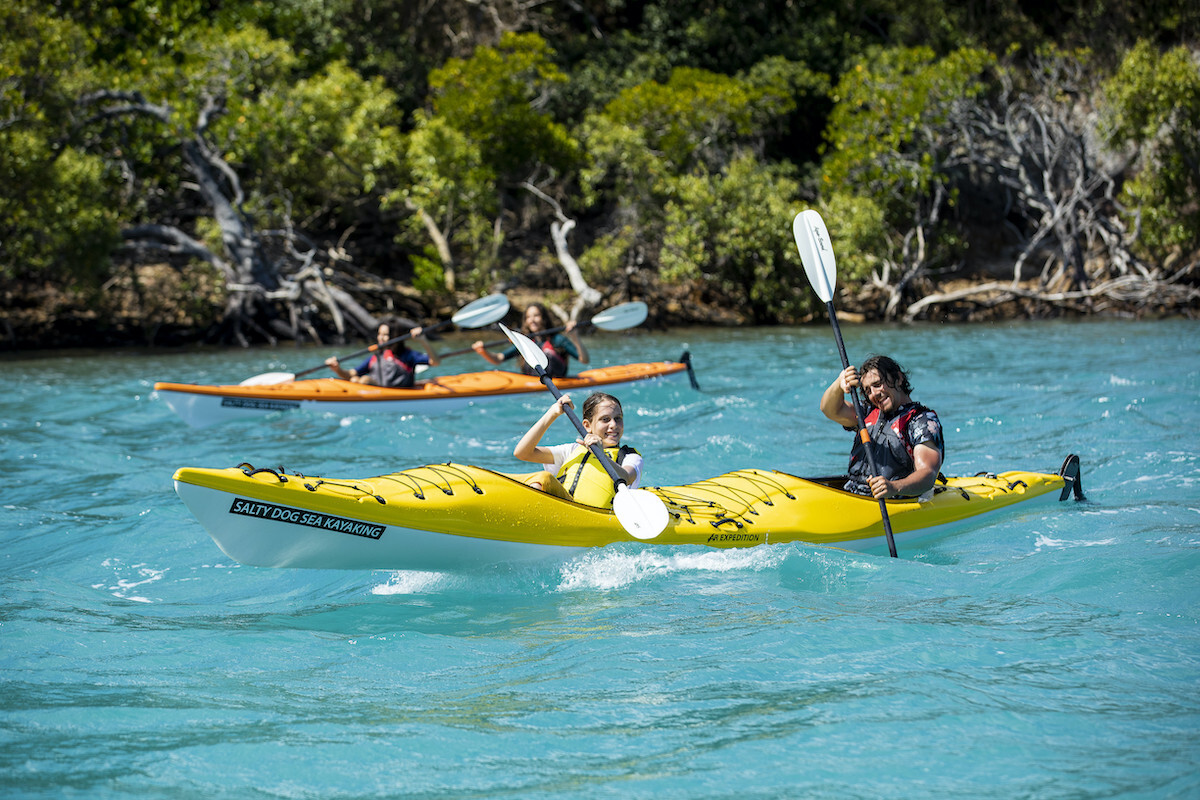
(734, 537)
(310, 519)
(255, 404)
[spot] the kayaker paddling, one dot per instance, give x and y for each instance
(571, 471)
(394, 367)
(558, 347)
(906, 436)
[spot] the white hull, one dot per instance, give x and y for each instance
(203, 410)
(306, 539)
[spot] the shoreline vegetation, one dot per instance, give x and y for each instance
(243, 173)
(148, 308)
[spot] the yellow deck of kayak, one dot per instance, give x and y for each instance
(744, 508)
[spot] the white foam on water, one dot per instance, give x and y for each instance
(1044, 541)
(409, 582)
(609, 569)
(123, 587)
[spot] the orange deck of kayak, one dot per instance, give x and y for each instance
(468, 384)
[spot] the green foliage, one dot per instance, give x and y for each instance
(858, 227)
(56, 223)
(428, 275)
(887, 133)
(315, 29)
(484, 130)
(230, 76)
(699, 118)
(677, 129)
(449, 187)
(325, 140)
(240, 67)
(608, 255)
(696, 122)
(1154, 102)
(727, 229)
(678, 161)
(494, 97)
(730, 36)
(621, 165)
(895, 127)
(58, 218)
(693, 112)
(131, 32)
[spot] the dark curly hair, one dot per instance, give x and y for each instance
(893, 374)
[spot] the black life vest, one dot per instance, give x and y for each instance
(391, 372)
(893, 450)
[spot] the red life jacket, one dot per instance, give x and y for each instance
(893, 449)
(556, 361)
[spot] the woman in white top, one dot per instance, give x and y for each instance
(571, 470)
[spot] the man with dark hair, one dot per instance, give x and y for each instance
(906, 437)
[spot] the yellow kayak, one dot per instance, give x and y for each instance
(201, 405)
(450, 516)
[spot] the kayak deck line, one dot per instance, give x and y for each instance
(443, 516)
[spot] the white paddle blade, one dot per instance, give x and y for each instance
(816, 251)
(619, 318)
(483, 311)
(529, 351)
(268, 379)
(642, 514)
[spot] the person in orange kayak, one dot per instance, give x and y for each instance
(558, 347)
(571, 470)
(906, 436)
(395, 367)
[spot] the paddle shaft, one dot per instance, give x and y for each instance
(596, 449)
(498, 342)
(375, 347)
(863, 435)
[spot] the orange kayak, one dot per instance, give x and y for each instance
(201, 405)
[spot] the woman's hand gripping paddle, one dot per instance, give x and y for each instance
(642, 514)
(617, 318)
(481, 312)
(812, 240)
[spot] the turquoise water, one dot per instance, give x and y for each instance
(1046, 654)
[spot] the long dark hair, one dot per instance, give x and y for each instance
(889, 371)
(396, 327)
(547, 320)
(547, 324)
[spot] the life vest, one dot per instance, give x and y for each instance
(391, 372)
(585, 478)
(893, 450)
(556, 361)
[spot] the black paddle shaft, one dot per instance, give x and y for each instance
(868, 445)
(596, 449)
(375, 347)
(498, 342)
